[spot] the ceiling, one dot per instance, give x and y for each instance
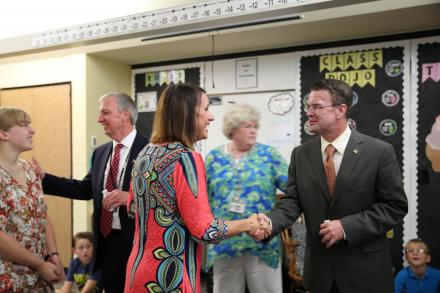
(376, 18)
(327, 21)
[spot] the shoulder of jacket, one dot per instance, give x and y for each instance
(308, 144)
(103, 146)
(373, 140)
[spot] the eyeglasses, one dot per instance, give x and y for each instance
(314, 108)
(415, 250)
(256, 126)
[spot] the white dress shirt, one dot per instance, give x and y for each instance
(340, 144)
(124, 153)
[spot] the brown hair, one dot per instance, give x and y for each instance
(176, 116)
(418, 241)
(340, 91)
(82, 235)
(10, 116)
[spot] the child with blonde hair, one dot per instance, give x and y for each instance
(418, 276)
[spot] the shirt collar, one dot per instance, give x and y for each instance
(425, 275)
(127, 142)
(339, 143)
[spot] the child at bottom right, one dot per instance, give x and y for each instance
(418, 276)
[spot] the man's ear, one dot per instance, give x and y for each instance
(126, 115)
(428, 258)
(342, 109)
(4, 135)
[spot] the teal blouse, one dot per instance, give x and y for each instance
(251, 181)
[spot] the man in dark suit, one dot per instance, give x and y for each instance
(117, 115)
(351, 194)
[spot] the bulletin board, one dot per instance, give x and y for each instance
(278, 111)
(148, 85)
(428, 146)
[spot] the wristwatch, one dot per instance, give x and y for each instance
(48, 256)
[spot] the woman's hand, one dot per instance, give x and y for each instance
(49, 272)
(263, 230)
(253, 223)
(56, 260)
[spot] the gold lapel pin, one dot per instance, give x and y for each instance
(355, 151)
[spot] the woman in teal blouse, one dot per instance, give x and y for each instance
(243, 177)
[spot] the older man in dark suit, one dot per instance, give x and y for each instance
(350, 189)
(107, 183)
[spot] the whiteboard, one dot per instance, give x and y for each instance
(277, 123)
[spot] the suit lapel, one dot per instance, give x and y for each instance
(352, 153)
(315, 157)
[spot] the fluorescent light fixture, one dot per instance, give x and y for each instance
(223, 27)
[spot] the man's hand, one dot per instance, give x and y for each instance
(115, 199)
(38, 167)
(264, 230)
(331, 232)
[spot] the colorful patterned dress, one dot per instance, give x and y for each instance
(169, 198)
(253, 181)
(23, 217)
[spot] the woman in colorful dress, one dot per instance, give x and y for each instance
(28, 258)
(242, 178)
(169, 198)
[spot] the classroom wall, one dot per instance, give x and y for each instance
(102, 76)
(40, 69)
(275, 72)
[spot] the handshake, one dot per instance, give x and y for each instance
(260, 226)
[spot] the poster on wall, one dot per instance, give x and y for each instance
(428, 147)
(376, 77)
(146, 101)
(149, 85)
(246, 73)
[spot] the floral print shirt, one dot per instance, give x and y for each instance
(251, 181)
(23, 217)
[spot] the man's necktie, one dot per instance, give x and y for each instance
(110, 184)
(329, 167)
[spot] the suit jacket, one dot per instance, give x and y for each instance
(369, 200)
(91, 188)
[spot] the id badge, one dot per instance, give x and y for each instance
(116, 223)
(237, 207)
